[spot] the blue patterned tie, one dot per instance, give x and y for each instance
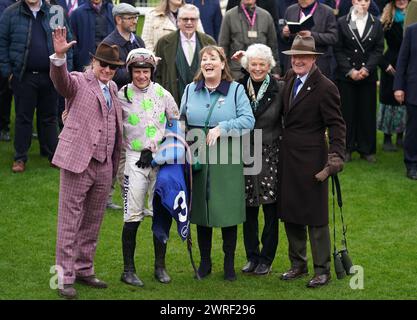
(298, 82)
(106, 94)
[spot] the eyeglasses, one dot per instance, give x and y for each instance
(131, 18)
(111, 66)
(189, 19)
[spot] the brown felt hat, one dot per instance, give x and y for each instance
(302, 45)
(108, 54)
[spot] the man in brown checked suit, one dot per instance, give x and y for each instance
(88, 154)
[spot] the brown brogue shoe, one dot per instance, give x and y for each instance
(91, 281)
(18, 166)
(294, 273)
(67, 292)
(319, 280)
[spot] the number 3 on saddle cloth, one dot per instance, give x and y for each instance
(172, 192)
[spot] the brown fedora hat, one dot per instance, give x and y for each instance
(108, 54)
(302, 45)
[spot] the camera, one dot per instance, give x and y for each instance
(338, 265)
(346, 261)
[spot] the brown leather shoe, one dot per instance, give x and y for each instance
(68, 292)
(18, 166)
(319, 280)
(91, 281)
(294, 273)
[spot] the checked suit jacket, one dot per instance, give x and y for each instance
(85, 122)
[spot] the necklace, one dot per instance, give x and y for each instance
(212, 87)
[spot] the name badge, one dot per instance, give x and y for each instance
(252, 34)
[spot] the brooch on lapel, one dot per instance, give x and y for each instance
(220, 102)
(308, 88)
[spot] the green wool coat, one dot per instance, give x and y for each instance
(218, 198)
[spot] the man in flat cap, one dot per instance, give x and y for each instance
(311, 105)
(126, 19)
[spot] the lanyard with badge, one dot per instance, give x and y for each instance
(251, 33)
(336, 7)
(311, 11)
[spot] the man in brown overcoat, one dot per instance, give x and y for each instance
(311, 105)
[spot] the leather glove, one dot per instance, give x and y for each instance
(333, 166)
(145, 159)
(335, 163)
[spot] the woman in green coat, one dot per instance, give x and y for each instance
(216, 107)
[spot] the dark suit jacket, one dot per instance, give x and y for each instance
(406, 75)
(355, 52)
(63, 4)
(324, 32)
(304, 148)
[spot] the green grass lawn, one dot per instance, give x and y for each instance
(379, 210)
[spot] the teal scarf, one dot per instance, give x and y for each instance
(254, 99)
(399, 16)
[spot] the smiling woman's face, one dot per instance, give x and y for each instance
(258, 69)
(211, 65)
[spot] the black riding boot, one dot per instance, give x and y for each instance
(204, 236)
(160, 250)
(229, 235)
(128, 246)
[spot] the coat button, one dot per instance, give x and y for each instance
(208, 105)
(356, 50)
(353, 38)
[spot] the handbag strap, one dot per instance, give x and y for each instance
(206, 123)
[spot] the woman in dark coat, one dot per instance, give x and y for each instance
(264, 93)
(391, 116)
(358, 52)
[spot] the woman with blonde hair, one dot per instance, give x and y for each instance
(391, 116)
(161, 21)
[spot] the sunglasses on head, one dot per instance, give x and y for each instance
(105, 64)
